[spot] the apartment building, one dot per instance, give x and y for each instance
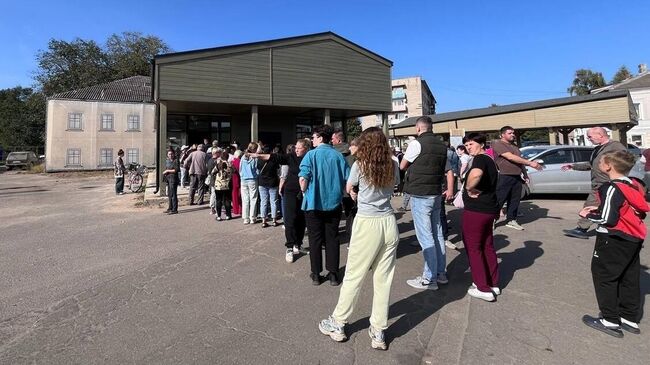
(411, 97)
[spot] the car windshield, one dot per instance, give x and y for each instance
(528, 153)
(17, 155)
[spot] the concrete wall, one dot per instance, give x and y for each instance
(90, 140)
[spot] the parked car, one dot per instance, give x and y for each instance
(25, 159)
(552, 180)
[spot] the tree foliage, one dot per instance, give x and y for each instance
(352, 129)
(22, 117)
(584, 81)
(80, 63)
(622, 74)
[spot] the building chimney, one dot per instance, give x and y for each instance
(643, 68)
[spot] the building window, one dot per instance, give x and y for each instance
(105, 157)
(398, 102)
(637, 140)
(132, 155)
(107, 122)
(74, 121)
(133, 123)
(303, 131)
(637, 108)
(73, 157)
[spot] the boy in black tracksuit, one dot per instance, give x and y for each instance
(615, 266)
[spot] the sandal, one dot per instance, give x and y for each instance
(275, 224)
(264, 224)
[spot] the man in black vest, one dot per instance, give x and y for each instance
(427, 164)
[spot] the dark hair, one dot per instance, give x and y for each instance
(325, 131)
(475, 137)
(339, 133)
(426, 121)
(462, 148)
(120, 152)
(505, 128)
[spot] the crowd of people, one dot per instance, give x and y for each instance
(316, 182)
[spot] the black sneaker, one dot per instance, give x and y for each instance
(576, 233)
(333, 278)
(315, 279)
(596, 323)
(167, 211)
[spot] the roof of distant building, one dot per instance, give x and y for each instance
(134, 89)
(503, 109)
(639, 81)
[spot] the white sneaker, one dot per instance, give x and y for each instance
(377, 338)
(442, 278)
(514, 225)
(450, 245)
(488, 297)
(289, 255)
(295, 250)
(247, 221)
(495, 289)
(422, 283)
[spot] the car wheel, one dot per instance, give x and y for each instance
(9, 168)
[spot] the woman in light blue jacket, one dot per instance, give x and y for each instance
(248, 174)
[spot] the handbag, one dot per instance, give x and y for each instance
(458, 198)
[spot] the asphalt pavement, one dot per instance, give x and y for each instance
(90, 277)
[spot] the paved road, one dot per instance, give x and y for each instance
(90, 277)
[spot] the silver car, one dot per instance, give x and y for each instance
(552, 180)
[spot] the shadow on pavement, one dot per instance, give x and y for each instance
(421, 305)
(518, 259)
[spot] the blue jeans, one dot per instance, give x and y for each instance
(428, 230)
(268, 193)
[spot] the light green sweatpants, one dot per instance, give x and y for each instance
(373, 244)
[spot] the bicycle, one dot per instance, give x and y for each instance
(136, 176)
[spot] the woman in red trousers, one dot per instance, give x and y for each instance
(236, 185)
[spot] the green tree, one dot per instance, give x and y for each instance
(71, 65)
(130, 53)
(352, 129)
(622, 74)
(22, 117)
(584, 81)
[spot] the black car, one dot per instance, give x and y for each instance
(25, 159)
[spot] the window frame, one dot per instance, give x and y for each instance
(67, 158)
(70, 118)
(128, 155)
(129, 123)
(108, 162)
(568, 152)
(101, 122)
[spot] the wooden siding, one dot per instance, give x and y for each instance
(327, 74)
(241, 78)
(600, 112)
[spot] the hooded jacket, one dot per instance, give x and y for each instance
(622, 209)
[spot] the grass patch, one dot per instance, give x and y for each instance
(37, 169)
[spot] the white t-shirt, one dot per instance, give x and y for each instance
(412, 151)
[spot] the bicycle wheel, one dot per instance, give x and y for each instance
(136, 183)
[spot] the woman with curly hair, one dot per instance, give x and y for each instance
(374, 237)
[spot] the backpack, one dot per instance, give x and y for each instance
(223, 176)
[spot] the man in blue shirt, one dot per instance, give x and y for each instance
(323, 174)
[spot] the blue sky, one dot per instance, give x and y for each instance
(472, 53)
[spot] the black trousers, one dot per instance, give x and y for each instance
(197, 183)
(349, 212)
(294, 219)
(323, 229)
(615, 269)
(172, 195)
(509, 190)
(119, 184)
(224, 198)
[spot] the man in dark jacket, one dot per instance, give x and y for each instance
(428, 167)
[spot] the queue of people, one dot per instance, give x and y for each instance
(320, 180)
